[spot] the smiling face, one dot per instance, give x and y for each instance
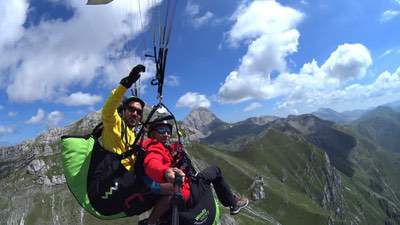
(133, 113)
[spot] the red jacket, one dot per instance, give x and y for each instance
(158, 159)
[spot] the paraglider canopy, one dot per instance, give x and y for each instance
(98, 2)
(161, 37)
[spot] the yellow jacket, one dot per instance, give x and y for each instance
(114, 128)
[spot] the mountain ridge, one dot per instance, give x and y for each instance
(381, 125)
(314, 172)
(339, 117)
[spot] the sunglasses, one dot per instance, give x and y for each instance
(163, 130)
(133, 109)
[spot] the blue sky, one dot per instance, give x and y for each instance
(59, 59)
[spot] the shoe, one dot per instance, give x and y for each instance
(240, 203)
(143, 222)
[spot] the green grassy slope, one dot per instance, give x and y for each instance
(296, 175)
(382, 126)
(276, 158)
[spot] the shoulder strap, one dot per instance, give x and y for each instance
(97, 130)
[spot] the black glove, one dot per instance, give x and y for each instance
(133, 76)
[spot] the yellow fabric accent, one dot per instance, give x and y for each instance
(112, 130)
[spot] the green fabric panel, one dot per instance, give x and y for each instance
(76, 154)
(217, 213)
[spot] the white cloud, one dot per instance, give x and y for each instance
(193, 100)
(264, 17)
(79, 98)
(49, 58)
(386, 53)
(317, 86)
(269, 28)
(12, 114)
(192, 9)
(252, 106)
(36, 118)
(348, 61)
(271, 37)
(202, 20)
(172, 80)
(6, 130)
(54, 118)
(388, 15)
(197, 20)
(13, 15)
(355, 96)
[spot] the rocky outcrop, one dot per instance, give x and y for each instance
(84, 125)
(35, 166)
(332, 197)
(200, 123)
(54, 180)
(46, 144)
(257, 189)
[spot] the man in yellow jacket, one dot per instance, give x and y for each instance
(113, 184)
(119, 125)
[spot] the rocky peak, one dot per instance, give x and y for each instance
(84, 125)
(330, 114)
(262, 120)
(380, 112)
(327, 110)
(203, 120)
(299, 126)
(307, 123)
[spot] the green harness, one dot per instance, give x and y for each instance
(76, 152)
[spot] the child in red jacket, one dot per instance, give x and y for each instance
(161, 164)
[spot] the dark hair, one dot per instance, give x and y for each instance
(126, 101)
(130, 99)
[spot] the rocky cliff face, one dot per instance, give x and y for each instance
(33, 182)
(257, 189)
(46, 144)
(200, 123)
(333, 199)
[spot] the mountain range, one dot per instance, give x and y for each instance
(349, 116)
(338, 117)
(297, 170)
